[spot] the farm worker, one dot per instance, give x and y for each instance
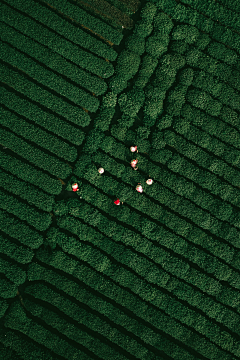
(101, 170)
(75, 187)
(149, 181)
(139, 188)
(117, 202)
(133, 149)
(134, 163)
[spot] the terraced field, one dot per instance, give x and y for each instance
(157, 277)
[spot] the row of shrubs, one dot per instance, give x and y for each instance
(58, 43)
(39, 136)
(47, 120)
(37, 53)
(140, 291)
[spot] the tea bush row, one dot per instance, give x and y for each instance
(90, 322)
(52, 60)
(49, 79)
(35, 113)
(34, 155)
(58, 43)
(38, 136)
(38, 220)
(20, 231)
(17, 319)
(19, 253)
(31, 175)
(26, 191)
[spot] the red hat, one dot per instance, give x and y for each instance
(117, 202)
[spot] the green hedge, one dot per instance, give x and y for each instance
(36, 93)
(104, 118)
(40, 220)
(219, 90)
(50, 80)
(17, 319)
(3, 308)
(212, 125)
(188, 15)
(52, 60)
(94, 322)
(45, 119)
(7, 288)
(20, 231)
(26, 191)
(202, 158)
(12, 272)
(34, 155)
(216, 12)
(131, 102)
(137, 285)
(38, 136)
(16, 252)
(146, 69)
(180, 226)
(29, 174)
(204, 140)
(87, 20)
(88, 338)
(25, 348)
(111, 291)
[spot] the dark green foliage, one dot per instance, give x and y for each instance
(147, 67)
(151, 110)
(19, 253)
(39, 220)
(162, 23)
(157, 44)
(179, 46)
(94, 139)
(50, 59)
(143, 132)
(186, 76)
(185, 32)
(109, 100)
(49, 79)
(161, 270)
(3, 307)
(26, 191)
(7, 288)
(131, 102)
(164, 122)
(34, 155)
(38, 136)
(118, 83)
(202, 100)
(82, 17)
(158, 140)
(176, 99)
(12, 272)
(148, 11)
(143, 28)
(45, 119)
(20, 231)
(29, 174)
(104, 118)
(126, 121)
(136, 44)
(127, 64)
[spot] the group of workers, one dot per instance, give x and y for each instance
(133, 164)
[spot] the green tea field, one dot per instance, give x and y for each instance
(120, 180)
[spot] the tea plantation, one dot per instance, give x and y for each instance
(157, 277)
